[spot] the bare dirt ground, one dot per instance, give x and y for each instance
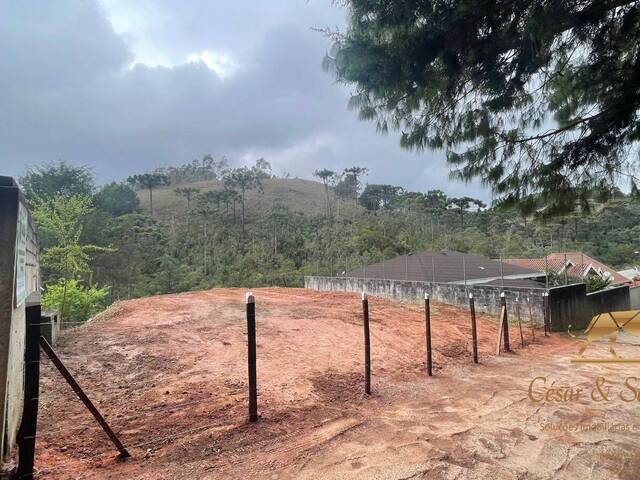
(169, 373)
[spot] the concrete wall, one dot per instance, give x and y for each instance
(50, 327)
(12, 312)
(634, 297)
(609, 300)
(568, 305)
(572, 305)
(487, 299)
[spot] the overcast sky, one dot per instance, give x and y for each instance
(127, 86)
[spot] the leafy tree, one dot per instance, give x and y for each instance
(117, 199)
(208, 168)
(436, 200)
(375, 197)
(326, 176)
(57, 178)
(354, 174)
(596, 282)
(346, 187)
(62, 218)
(243, 179)
(149, 181)
(208, 202)
(482, 79)
(131, 268)
(463, 204)
(188, 193)
(262, 169)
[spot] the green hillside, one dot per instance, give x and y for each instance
(287, 233)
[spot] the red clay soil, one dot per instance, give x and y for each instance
(169, 373)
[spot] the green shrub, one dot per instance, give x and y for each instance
(595, 283)
(80, 303)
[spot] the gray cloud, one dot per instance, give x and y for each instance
(75, 86)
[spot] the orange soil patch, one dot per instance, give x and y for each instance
(169, 373)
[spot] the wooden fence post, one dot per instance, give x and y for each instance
(519, 322)
(532, 321)
(501, 326)
(251, 357)
(367, 345)
(546, 312)
(474, 331)
(427, 320)
(505, 323)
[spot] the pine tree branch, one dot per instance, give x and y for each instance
(555, 131)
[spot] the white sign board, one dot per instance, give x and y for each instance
(21, 255)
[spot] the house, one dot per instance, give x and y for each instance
(574, 264)
(453, 277)
(452, 267)
(633, 274)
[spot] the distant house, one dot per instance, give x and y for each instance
(633, 274)
(452, 267)
(452, 277)
(575, 264)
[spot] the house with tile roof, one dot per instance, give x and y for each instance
(452, 267)
(574, 264)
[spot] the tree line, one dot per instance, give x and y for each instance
(99, 245)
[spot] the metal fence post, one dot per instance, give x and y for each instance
(27, 434)
(427, 320)
(505, 323)
(251, 357)
(474, 331)
(367, 345)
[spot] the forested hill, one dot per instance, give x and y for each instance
(245, 227)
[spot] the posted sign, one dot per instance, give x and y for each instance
(21, 255)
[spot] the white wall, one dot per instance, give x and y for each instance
(634, 294)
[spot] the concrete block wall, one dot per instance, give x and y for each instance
(50, 327)
(487, 298)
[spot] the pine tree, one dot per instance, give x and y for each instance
(538, 99)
